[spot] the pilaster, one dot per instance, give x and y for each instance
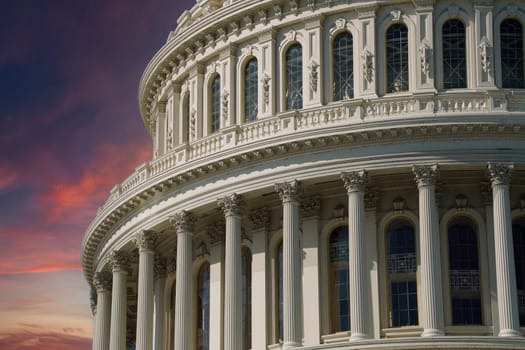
(425, 73)
(267, 100)
(313, 74)
(484, 41)
(367, 86)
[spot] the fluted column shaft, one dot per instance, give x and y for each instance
(289, 193)
(183, 222)
(145, 242)
(431, 289)
(509, 326)
(102, 282)
(120, 265)
(232, 207)
(159, 326)
(355, 183)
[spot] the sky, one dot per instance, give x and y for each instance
(70, 130)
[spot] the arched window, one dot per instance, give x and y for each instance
(464, 272)
(215, 104)
(250, 90)
(294, 77)
(343, 60)
(203, 308)
(511, 39)
(186, 118)
(246, 299)
(402, 274)
(397, 58)
(338, 270)
(518, 233)
(279, 291)
(454, 55)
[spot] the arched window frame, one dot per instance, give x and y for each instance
(198, 265)
(287, 40)
(502, 15)
(483, 257)
(384, 290)
(465, 15)
(185, 120)
(244, 60)
(404, 83)
(334, 34)
(214, 104)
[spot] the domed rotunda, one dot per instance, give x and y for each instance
(327, 174)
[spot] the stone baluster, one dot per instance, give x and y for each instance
(500, 175)
(431, 288)
(119, 261)
(102, 283)
(232, 207)
(183, 222)
(289, 193)
(355, 184)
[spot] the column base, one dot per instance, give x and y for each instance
(291, 345)
(358, 336)
(509, 333)
(432, 332)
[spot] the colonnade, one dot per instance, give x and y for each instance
(110, 321)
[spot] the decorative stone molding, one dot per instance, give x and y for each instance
(484, 47)
(424, 57)
(102, 281)
(260, 218)
(425, 175)
(171, 266)
(500, 173)
(368, 65)
(266, 88)
(183, 221)
(146, 240)
(461, 202)
(119, 261)
(314, 75)
(396, 15)
(202, 251)
(225, 99)
(216, 231)
(289, 191)
(232, 205)
(399, 204)
(339, 212)
(371, 198)
(311, 207)
(355, 181)
(161, 267)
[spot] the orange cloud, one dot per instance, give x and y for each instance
(39, 339)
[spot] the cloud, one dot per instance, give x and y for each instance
(34, 337)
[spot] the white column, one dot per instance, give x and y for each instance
(119, 262)
(355, 184)
(232, 207)
(217, 299)
(159, 326)
(102, 283)
(500, 175)
(183, 222)
(289, 193)
(431, 288)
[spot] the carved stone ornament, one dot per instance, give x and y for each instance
(225, 99)
(311, 207)
(484, 47)
(193, 120)
(340, 23)
(93, 300)
(314, 75)
(399, 204)
(161, 267)
(102, 281)
(231, 205)
(266, 88)
(396, 15)
(289, 191)
(291, 35)
(461, 202)
(294, 6)
(119, 260)
(339, 211)
(500, 173)
(260, 218)
(216, 231)
(355, 181)
(183, 221)
(425, 175)
(424, 56)
(146, 240)
(171, 266)
(371, 198)
(368, 65)
(202, 250)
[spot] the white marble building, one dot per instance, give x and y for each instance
(327, 174)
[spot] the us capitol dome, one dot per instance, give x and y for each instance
(327, 174)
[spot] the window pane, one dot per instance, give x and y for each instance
(454, 55)
(512, 73)
(518, 232)
(215, 119)
(397, 58)
(246, 299)
(250, 90)
(464, 272)
(203, 322)
(340, 302)
(343, 67)
(402, 274)
(294, 77)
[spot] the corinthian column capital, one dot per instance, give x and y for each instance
(425, 175)
(289, 191)
(500, 173)
(355, 181)
(102, 281)
(119, 261)
(232, 204)
(146, 240)
(183, 221)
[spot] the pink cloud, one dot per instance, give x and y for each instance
(36, 338)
